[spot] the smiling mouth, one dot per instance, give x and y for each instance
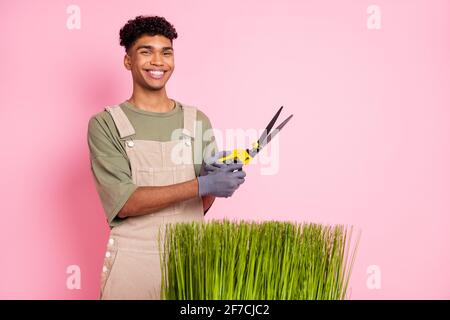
(155, 74)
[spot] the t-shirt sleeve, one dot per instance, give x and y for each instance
(110, 168)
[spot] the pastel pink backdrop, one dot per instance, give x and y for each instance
(368, 145)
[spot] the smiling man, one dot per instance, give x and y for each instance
(141, 182)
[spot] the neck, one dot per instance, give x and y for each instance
(154, 101)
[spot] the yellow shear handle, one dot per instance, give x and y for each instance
(240, 154)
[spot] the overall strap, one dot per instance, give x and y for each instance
(190, 117)
(121, 120)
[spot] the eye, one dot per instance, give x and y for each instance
(167, 53)
(145, 52)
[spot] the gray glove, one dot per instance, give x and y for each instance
(211, 163)
(208, 162)
(222, 182)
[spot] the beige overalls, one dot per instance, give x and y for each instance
(132, 267)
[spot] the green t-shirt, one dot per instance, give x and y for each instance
(109, 161)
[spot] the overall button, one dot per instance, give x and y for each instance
(111, 241)
(130, 143)
(105, 269)
(108, 254)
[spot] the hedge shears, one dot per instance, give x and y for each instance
(247, 155)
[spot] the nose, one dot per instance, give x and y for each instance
(156, 60)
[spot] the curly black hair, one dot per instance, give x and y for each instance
(145, 25)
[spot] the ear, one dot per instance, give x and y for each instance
(127, 61)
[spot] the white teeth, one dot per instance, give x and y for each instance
(156, 73)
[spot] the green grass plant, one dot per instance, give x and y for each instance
(271, 260)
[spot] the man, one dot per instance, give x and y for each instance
(136, 163)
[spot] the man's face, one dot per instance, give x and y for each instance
(151, 61)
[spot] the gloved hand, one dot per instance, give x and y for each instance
(222, 182)
(213, 159)
(212, 163)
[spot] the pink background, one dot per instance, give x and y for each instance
(368, 145)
